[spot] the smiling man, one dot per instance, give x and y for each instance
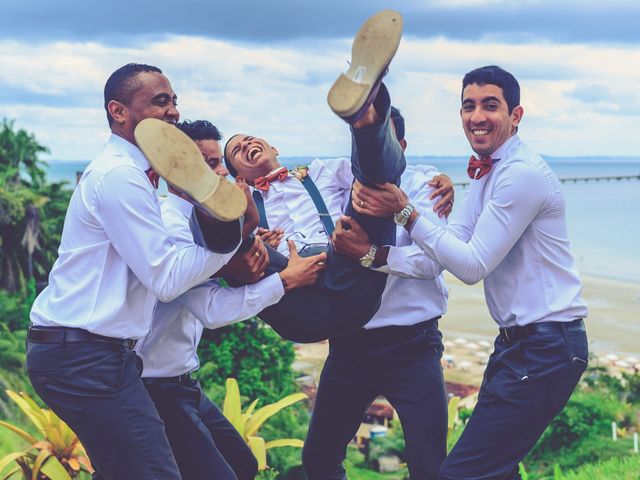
(116, 259)
(511, 233)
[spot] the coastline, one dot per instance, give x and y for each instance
(612, 324)
(613, 327)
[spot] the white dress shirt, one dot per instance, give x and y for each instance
(170, 349)
(511, 231)
(289, 206)
(116, 257)
(415, 291)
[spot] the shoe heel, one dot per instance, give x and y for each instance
(346, 96)
(177, 159)
(227, 202)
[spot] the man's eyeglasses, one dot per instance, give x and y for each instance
(306, 249)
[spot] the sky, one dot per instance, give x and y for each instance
(265, 67)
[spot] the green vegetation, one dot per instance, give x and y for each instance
(249, 422)
(55, 454)
(253, 354)
(576, 446)
(31, 211)
(627, 468)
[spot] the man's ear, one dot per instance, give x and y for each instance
(275, 150)
(516, 116)
(118, 111)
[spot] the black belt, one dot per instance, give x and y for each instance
(184, 378)
(511, 334)
(72, 335)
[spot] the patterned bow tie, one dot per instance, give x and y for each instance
(478, 168)
(153, 177)
(263, 183)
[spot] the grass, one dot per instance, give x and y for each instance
(627, 468)
(356, 473)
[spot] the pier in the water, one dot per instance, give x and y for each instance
(609, 178)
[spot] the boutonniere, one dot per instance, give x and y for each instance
(300, 172)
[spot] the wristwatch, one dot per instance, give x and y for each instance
(367, 259)
(402, 217)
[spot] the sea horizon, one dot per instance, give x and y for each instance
(602, 217)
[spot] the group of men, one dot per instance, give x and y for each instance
(347, 249)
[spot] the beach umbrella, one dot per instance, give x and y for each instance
(484, 344)
(622, 364)
(612, 357)
(631, 360)
(460, 341)
(472, 346)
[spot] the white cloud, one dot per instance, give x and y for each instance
(279, 91)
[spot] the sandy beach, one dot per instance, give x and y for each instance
(613, 327)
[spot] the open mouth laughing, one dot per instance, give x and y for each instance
(253, 153)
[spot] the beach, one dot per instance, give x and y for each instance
(613, 327)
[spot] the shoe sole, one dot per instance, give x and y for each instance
(177, 159)
(373, 49)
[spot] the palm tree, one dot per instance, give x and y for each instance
(31, 210)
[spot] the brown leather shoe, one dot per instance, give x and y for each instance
(373, 49)
(177, 159)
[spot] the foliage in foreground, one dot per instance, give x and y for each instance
(252, 353)
(59, 455)
(249, 422)
(581, 433)
(616, 468)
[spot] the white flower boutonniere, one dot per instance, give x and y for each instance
(300, 172)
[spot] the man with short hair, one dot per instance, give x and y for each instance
(347, 295)
(511, 233)
(396, 354)
(116, 260)
(205, 444)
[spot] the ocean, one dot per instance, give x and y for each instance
(603, 217)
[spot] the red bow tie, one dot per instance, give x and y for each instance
(153, 177)
(263, 183)
(478, 168)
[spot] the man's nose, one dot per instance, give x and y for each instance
(221, 170)
(173, 112)
(478, 116)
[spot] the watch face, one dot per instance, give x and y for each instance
(399, 218)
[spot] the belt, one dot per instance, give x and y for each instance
(184, 378)
(72, 335)
(511, 334)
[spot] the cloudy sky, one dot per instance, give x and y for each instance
(264, 67)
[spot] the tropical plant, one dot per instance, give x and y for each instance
(251, 352)
(249, 422)
(31, 210)
(57, 456)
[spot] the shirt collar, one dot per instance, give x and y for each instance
(179, 204)
(134, 152)
(504, 148)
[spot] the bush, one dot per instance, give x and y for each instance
(261, 362)
(250, 352)
(581, 433)
(615, 468)
(391, 444)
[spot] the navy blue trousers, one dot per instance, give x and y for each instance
(401, 363)
(347, 296)
(95, 387)
(526, 384)
(205, 444)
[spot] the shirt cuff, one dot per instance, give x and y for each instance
(424, 232)
(270, 289)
